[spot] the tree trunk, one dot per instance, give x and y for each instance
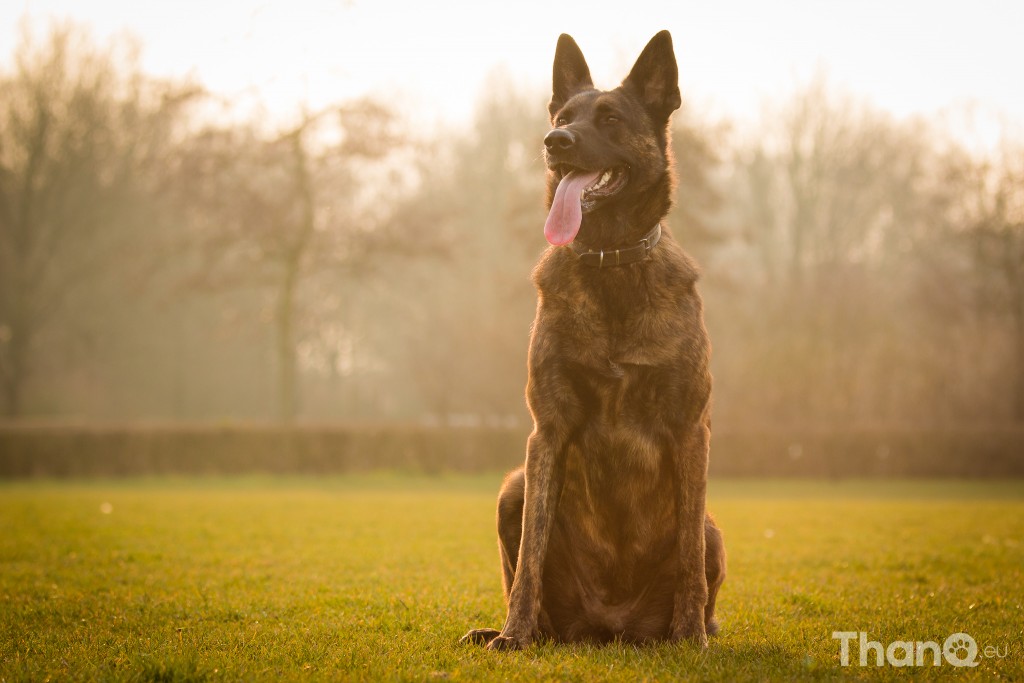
(1018, 360)
(287, 370)
(14, 367)
(12, 395)
(285, 322)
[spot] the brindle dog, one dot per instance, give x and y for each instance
(603, 535)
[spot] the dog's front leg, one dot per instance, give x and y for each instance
(691, 594)
(544, 475)
(556, 411)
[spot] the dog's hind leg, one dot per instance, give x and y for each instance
(510, 526)
(714, 570)
(510, 531)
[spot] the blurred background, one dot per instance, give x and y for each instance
(256, 234)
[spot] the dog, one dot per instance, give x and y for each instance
(603, 535)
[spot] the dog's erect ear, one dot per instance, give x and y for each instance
(655, 78)
(570, 73)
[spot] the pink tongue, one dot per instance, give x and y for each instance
(566, 213)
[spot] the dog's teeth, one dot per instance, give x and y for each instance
(602, 181)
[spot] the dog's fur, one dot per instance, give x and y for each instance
(603, 535)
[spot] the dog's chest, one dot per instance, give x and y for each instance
(622, 428)
(628, 361)
(612, 344)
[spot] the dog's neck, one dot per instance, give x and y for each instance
(600, 257)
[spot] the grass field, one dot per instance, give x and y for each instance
(375, 578)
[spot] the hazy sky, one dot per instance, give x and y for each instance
(909, 56)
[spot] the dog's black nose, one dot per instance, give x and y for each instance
(559, 139)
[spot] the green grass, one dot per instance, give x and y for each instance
(376, 577)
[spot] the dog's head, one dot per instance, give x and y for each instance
(607, 153)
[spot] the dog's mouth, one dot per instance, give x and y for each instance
(579, 192)
(608, 184)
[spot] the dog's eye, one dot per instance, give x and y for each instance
(611, 118)
(562, 121)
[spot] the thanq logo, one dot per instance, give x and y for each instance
(959, 649)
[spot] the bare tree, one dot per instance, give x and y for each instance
(81, 130)
(697, 147)
(274, 212)
(468, 318)
(834, 197)
(992, 215)
(843, 175)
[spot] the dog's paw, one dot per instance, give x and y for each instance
(479, 636)
(505, 644)
(698, 639)
(693, 632)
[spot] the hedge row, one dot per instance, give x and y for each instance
(64, 451)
